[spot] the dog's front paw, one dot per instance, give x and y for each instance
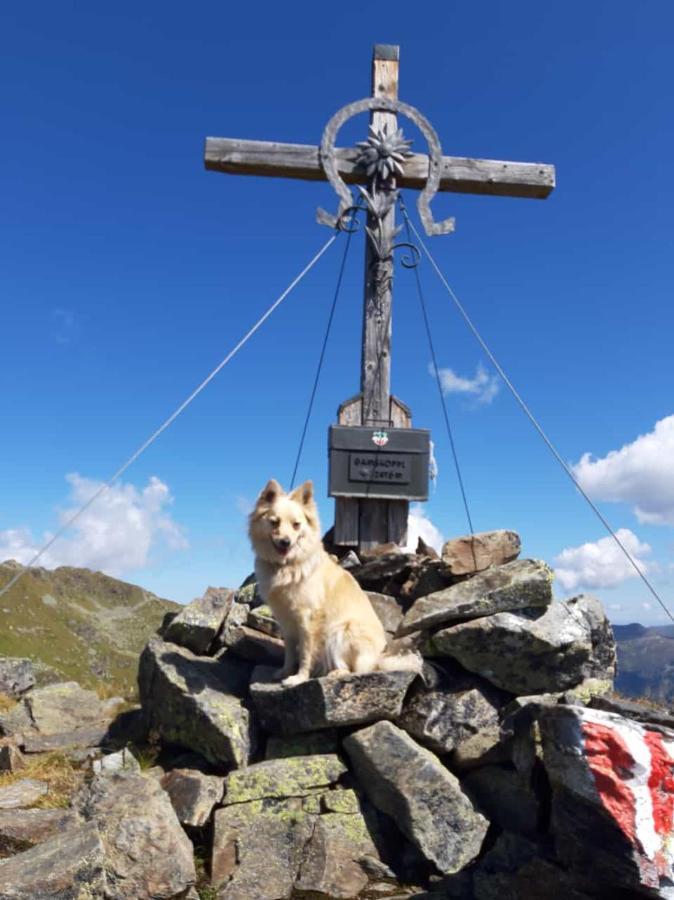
(280, 674)
(292, 680)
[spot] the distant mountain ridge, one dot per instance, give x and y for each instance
(87, 626)
(645, 661)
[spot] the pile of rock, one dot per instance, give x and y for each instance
(505, 772)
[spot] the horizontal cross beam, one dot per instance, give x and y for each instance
(460, 175)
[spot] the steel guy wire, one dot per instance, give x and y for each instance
(535, 423)
(174, 415)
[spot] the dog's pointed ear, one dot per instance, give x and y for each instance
(270, 492)
(304, 493)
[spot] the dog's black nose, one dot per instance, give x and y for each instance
(284, 543)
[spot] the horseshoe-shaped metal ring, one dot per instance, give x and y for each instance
(328, 160)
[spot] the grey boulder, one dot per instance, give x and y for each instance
(534, 650)
(459, 711)
(193, 794)
(147, 854)
(410, 784)
(194, 702)
(69, 866)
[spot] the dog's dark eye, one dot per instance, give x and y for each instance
(297, 525)
(274, 522)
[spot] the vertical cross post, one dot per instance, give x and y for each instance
(375, 379)
(367, 522)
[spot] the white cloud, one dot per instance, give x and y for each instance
(482, 388)
(117, 534)
(640, 473)
(601, 564)
(420, 526)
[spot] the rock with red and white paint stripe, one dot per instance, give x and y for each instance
(613, 798)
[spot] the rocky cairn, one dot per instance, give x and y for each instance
(507, 771)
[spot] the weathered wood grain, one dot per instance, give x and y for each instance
(460, 175)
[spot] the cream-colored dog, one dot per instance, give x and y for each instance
(327, 621)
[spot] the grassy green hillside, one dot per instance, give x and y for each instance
(85, 625)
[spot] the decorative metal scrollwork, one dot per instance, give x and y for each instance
(382, 155)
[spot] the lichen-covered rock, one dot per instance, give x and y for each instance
(521, 584)
(331, 864)
(258, 847)
(410, 784)
(22, 793)
(147, 855)
(17, 675)
(197, 625)
(69, 866)
(23, 828)
(291, 777)
(457, 711)
(476, 552)
(192, 701)
(613, 798)
(326, 702)
(193, 794)
(534, 650)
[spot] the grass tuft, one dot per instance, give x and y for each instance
(56, 770)
(6, 703)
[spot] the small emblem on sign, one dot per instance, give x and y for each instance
(380, 438)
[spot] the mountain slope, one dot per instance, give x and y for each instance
(645, 662)
(89, 627)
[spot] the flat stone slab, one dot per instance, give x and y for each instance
(197, 625)
(534, 651)
(326, 702)
(17, 675)
(65, 706)
(69, 866)
(521, 584)
(192, 701)
(280, 778)
(410, 784)
(22, 793)
(612, 792)
(193, 794)
(474, 553)
(80, 738)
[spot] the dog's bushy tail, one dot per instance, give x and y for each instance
(400, 662)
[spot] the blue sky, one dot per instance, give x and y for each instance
(128, 271)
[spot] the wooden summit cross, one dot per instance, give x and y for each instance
(383, 163)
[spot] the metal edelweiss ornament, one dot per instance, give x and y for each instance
(383, 154)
